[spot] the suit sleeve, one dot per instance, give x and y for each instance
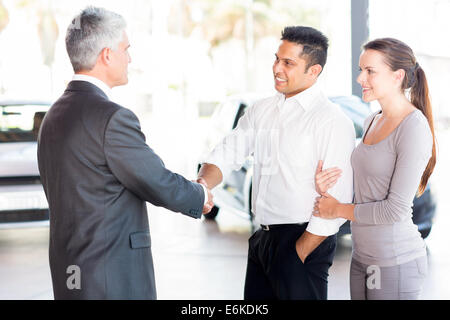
(139, 169)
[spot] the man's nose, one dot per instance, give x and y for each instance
(276, 67)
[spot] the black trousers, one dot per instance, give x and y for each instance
(274, 270)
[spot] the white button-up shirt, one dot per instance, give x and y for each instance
(287, 138)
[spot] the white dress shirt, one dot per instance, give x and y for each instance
(287, 138)
(107, 90)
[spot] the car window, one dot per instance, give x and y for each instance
(355, 109)
(223, 116)
(358, 130)
(240, 113)
(21, 123)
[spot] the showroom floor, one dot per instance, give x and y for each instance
(194, 259)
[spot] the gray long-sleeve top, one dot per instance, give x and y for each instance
(386, 178)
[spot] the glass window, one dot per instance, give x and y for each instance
(423, 28)
(21, 123)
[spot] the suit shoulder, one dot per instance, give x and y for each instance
(122, 112)
(123, 118)
(108, 105)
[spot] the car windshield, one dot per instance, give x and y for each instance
(21, 123)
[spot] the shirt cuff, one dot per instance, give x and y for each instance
(206, 194)
(324, 227)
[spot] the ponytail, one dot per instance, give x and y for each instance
(420, 98)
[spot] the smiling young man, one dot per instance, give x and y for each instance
(288, 134)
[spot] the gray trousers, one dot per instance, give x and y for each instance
(401, 282)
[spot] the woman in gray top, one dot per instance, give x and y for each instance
(393, 161)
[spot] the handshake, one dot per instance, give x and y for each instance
(209, 204)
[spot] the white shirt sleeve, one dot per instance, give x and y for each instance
(231, 153)
(206, 194)
(336, 141)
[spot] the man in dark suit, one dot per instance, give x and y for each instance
(98, 172)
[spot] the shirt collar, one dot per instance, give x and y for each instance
(95, 81)
(305, 98)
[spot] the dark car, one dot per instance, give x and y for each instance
(22, 197)
(234, 193)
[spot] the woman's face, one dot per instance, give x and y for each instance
(376, 77)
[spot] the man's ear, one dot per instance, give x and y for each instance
(315, 70)
(105, 56)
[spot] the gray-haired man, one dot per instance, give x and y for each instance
(97, 172)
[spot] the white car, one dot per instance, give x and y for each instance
(22, 198)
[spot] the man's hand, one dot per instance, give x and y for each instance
(307, 243)
(210, 174)
(326, 179)
(209, 204)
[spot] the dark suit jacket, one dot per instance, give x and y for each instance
(98, 173)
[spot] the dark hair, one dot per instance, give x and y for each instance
(315, 44)
(397, 56)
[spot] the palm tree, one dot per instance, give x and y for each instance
(245, 20)
(48, 34)
(226, 19)
(4, 20)
(4, 16)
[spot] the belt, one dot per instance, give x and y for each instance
(274, 226)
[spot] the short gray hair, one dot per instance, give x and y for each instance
(90, 32)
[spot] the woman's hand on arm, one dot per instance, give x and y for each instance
(326, 179)
(328, 207)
